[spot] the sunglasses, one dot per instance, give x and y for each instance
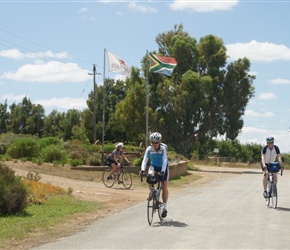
(155, 142)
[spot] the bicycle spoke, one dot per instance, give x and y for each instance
(108, 182)
(127, 179)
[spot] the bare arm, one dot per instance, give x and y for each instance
(279, 159)
(263, 160)
(125, 158)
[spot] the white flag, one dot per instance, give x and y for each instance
(118, 65)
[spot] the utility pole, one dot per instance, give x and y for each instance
(38, 122)
(94, 108)
(94, 102)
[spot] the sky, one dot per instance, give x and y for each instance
(48, 49)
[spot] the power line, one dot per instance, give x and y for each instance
(40, 45)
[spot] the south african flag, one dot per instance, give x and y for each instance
(161, 64)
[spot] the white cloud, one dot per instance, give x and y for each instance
(52, 72)
(258, 51)
(203, 6)
(18, 55)
(254, 130)
(13, 98)
(253, 73)
(142, 8)
(267, 96)
(63, 103)
(258, 135)
(253, 114)
(83, 10)
(279, 81)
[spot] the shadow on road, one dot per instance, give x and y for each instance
(286, 209)
(170, 223)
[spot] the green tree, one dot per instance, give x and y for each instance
(205, 97)
(4, 117)
(71, 118)
(26, 118)
(128, 121)
(52, 124)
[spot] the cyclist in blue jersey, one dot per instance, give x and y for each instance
(269, 154)
(157, 153)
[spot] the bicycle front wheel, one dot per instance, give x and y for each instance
(160, 209)
(126, 179)
(150, 207)
(107, 179)
(274, 197)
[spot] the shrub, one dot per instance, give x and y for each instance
(54, 153)
(13, 195)
(44, 142)
(137, 161)
(23, 148)
(8, 139)
(96, 160)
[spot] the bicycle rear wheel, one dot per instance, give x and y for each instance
(274, 197)
(107, 180)
(151, 207)
(127, 179)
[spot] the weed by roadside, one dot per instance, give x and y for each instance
(40, 218)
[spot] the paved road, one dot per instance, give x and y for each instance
(229, 213)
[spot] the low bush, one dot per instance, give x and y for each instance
(46, 141)
(23, 148)
(54, 153)
(13, 194)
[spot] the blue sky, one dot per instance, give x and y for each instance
(47, 49)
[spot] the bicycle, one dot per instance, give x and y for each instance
(272, 196)
(124, 176)
(153, 201)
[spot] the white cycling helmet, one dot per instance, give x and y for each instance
(155, 137)
(270, 139)
(119, 145)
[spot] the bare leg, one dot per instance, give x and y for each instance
(114, 168)
(165, 192)
(265, 181)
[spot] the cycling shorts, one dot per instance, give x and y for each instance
(158, 169)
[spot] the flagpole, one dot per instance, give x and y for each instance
(147, 98)
(103, 123)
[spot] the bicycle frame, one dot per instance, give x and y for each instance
(272, 191)
(153, 201)
(124, 176)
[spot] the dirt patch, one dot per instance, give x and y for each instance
(87, 185)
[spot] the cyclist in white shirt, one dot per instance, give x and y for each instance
(157, 153)
(269, 154)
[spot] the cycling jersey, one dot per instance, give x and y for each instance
(270, 155)
(158, 157)
(111, 156)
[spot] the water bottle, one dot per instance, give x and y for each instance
(115, 176)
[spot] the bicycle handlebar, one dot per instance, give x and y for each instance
(155, 173)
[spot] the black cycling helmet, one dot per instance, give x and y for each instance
(270, 139)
